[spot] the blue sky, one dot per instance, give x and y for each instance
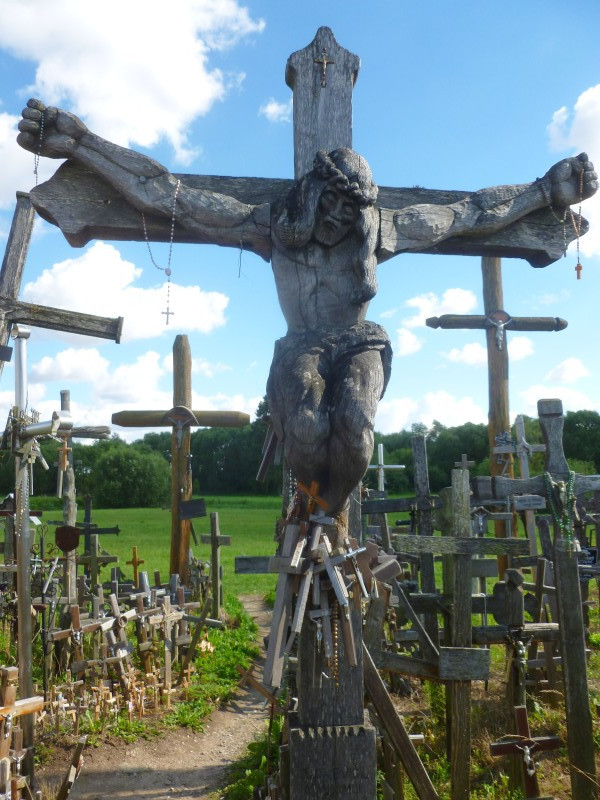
(449, 95)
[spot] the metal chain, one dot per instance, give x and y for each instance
(167, 269)
(36, 156)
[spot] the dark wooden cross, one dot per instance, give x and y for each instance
(559, 477)
(86, 207)
(181, 419)
(216, 541)
(525, 747)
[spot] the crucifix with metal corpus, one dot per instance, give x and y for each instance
(325, 232)
(181, 419)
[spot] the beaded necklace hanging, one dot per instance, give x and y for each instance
(167, 270)
(576, 223)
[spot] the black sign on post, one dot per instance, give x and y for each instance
(190, 509)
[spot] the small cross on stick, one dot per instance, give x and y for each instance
(324, 61)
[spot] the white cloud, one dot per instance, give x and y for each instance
(568, 371)
(277, 112)
(102, 274)
(572, 399)
(389, 313)
(519, 347)
(407, 343)
(579, 131)
(473, 354)
(153, 59)
(400, 413)
(453, 301)
(84, 364)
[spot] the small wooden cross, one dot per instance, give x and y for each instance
(215, 540)
(313, 496)
(135, 563)
(578, 269)
(464, 463)
(324, 62)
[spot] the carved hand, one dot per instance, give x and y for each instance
(60, 130)
(566, 185)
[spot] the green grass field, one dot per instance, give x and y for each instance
(250, 521)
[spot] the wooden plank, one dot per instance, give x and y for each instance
(58, 319)
(400, 504)
(464, 664)
(448, 545)
(396, 731)
(460, 628)
(152, 419)
(252, 565)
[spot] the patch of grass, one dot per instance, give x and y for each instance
(251, 770)
(216, 677)
(250, 521)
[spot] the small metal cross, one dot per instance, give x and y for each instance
(168, 314)
(324, 61)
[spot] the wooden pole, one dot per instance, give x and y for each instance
(498, 414)
(69, 507)
(181, 473)
(460, 692)
(215, 565)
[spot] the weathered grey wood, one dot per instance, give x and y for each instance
(440, 545)
(332, 762)
(322, 98)
(252, 565)
(13, 262)
(85, 207)
(401, 504)
(429, 648)
(181, 470)
(424, 527)
(150, 419)
(484, 568)
(478, 322)
(460, 633)
(497, 634)
(398, 734)
(57, 319)
(464, 664)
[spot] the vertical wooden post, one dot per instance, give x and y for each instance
(461, 636)
(215, 565)
(69, 507)
(580, 743)
(424, 528)
(15, 254)
(181, 474)
(498, 414)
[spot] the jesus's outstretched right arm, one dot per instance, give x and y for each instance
(143, 182)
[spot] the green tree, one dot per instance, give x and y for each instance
(128, 477)
(582, 436)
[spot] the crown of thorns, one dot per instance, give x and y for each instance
(325, 168)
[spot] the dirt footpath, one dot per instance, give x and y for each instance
(182, 765)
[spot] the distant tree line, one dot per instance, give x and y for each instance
(225, 461)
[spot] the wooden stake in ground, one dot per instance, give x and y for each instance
(181, 419)
(215, 540)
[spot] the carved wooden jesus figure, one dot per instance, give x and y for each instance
(324, 240)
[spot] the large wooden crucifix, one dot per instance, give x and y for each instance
(181, 419)
(325, 232)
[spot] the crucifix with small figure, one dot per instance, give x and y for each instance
(325, 233)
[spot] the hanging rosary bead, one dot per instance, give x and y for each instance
(167, 270)
(36, 156)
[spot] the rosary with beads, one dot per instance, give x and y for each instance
(167, 269)
(576, 223)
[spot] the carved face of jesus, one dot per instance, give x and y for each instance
(336, 214)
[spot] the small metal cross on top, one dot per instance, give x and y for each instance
(324, 62)
(168, 314)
